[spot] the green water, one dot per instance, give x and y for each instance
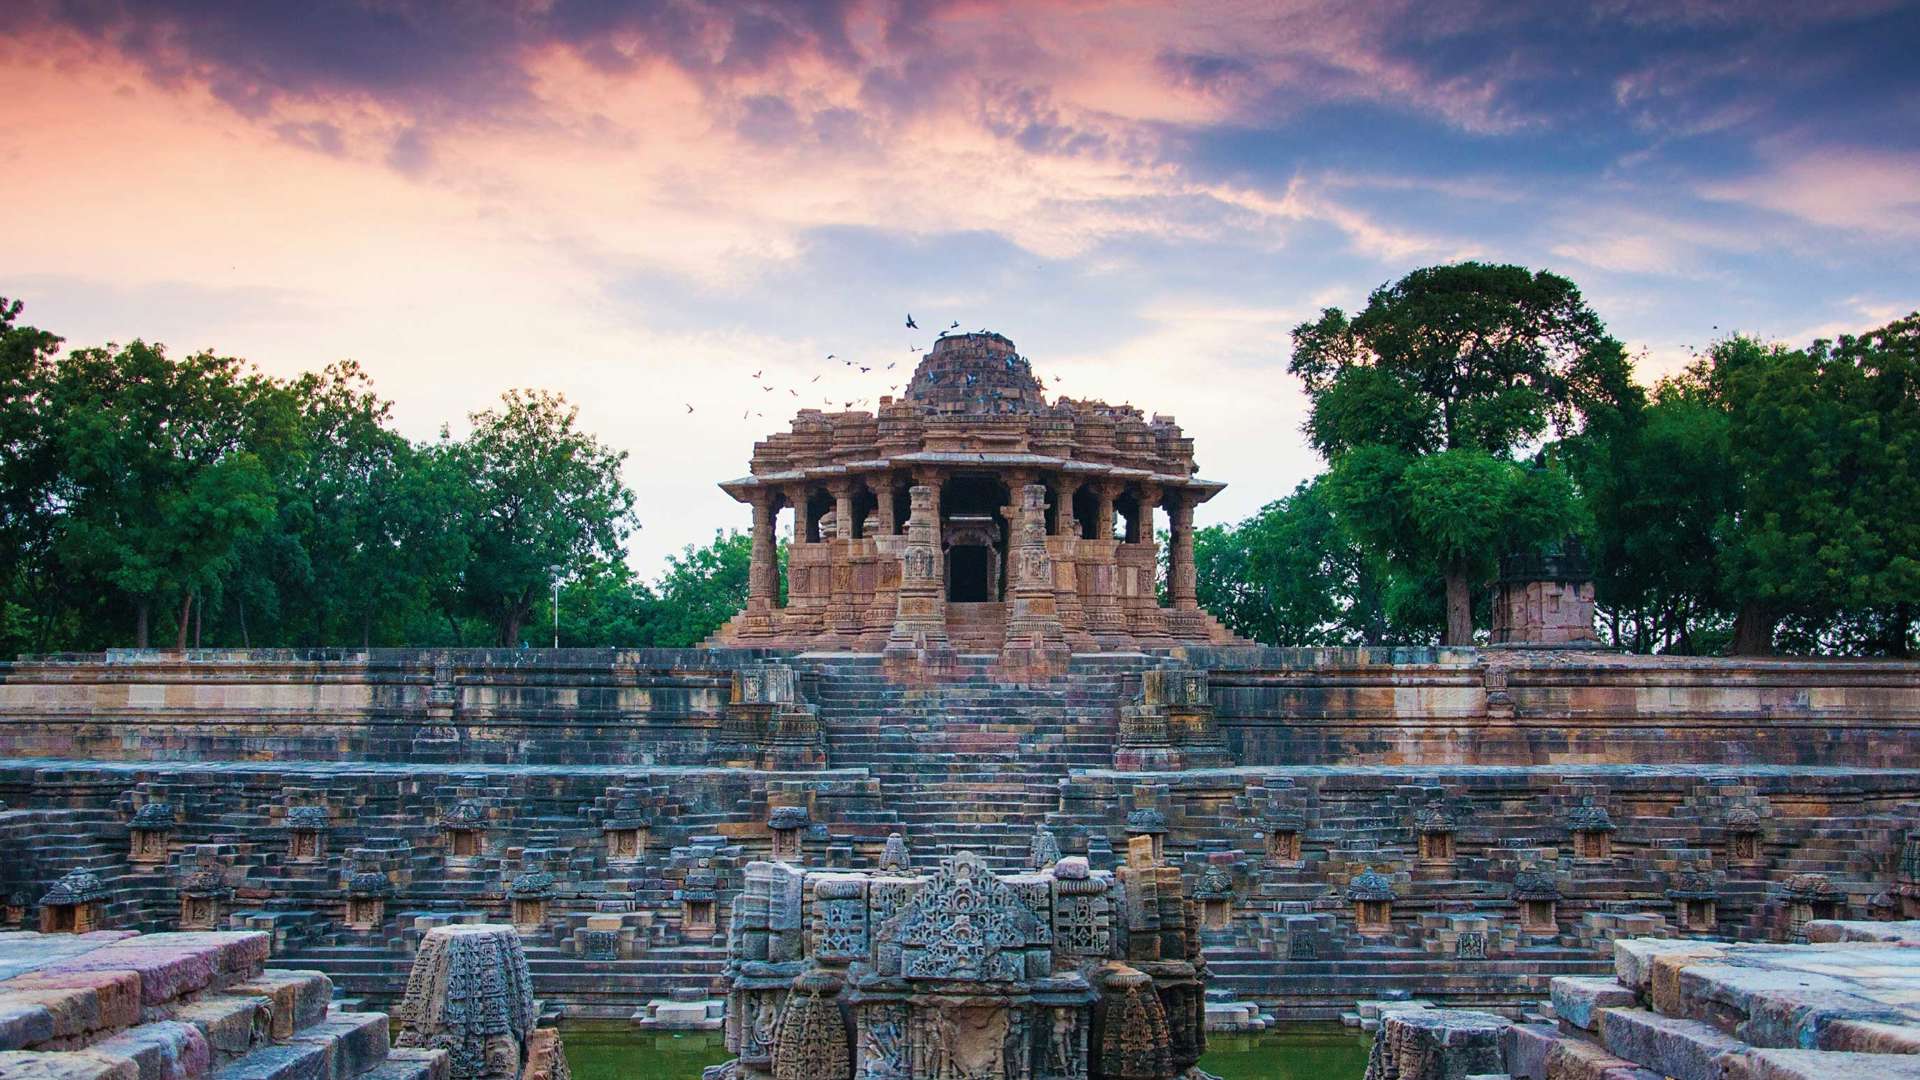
(1303, 1052)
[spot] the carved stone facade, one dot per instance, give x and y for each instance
(972, 514)
(962, 974)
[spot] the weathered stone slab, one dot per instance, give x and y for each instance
(166, 1050)
(1819, 1065)
(1571, 1059)
(1575, 999)
(1633, 958)
(1527, 1047)
(79, 1065)
(1681, 1049)
(299, 997)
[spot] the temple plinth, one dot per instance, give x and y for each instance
(972, 515)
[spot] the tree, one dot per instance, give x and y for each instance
(28, 472)
(1455, 363)
(162, 473)
(1292, 575)
(545, 501)
(702, 588)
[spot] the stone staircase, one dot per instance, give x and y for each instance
(118, 1006)
(972, 761)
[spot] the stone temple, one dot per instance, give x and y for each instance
(963, 797)
(972, 515)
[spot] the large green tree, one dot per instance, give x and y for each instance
(544, 501)
(29, 471)
(1421, 401)
(165, 474)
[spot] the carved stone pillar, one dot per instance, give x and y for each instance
(797, 498)
(1183, 587)
(1105, 619)
(1140, 564)
(1064, 523)
(919, 635)
(883, 488)
(1035, 640)
(762, 572)
(844, 525)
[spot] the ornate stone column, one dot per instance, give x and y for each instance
(883, 493)
(1064, 523)
(1141, 562)
(1105, 619)
(1035, 640)
(762, 573)
(1108, 490)
(844, 525)
(919, 635)
(1182, 584)
(797, 498)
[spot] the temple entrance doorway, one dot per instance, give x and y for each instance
(973, 533)
(968, 567)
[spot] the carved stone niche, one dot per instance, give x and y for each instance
(1743, 836)
(367, 893)
(205, 893)
(528, 894)
(699, 899)
(1215, 894)
(626, 831)
(1592, 832)
(1695, 902)
(1539, 899)
(306, 833)
(148, 833)
(789, 827)
(75, 904)
(1283, 840)
(1146, 834)
(1372, 895)
(466, 829)
(1809, 897)
(1435, 828)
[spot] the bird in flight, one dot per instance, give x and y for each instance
(829, 356)
(864, 370)
(689, 408)
(766, 388)
(848, 405)
(955, 325)
(911, 325)
(743, 413)
(816, 378)
(890, 366)
(756, 374)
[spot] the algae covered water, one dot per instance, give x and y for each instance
(1302, 1052)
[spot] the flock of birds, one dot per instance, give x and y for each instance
(767, 388)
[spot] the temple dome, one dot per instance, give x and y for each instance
(975, 375)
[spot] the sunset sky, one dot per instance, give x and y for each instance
(640, 204)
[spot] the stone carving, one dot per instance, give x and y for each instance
(894, 857)
(965, 923)
(961, 974)
(813, 1036)
(469, 992)
(152, 824)
(1043, 850)
(1437, 1044)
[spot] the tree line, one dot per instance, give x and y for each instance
(1766, 497)
(194, 501)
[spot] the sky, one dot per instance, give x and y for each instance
(642, 204)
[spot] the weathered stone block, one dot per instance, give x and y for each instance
(1818, 1065)
(1575, 1000)
(1681, 1049)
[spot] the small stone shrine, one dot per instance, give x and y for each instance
(1062, 973)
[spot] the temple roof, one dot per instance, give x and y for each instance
(976, 374)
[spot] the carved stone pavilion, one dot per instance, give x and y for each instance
(973, 515)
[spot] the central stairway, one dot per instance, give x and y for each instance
(973, 761)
